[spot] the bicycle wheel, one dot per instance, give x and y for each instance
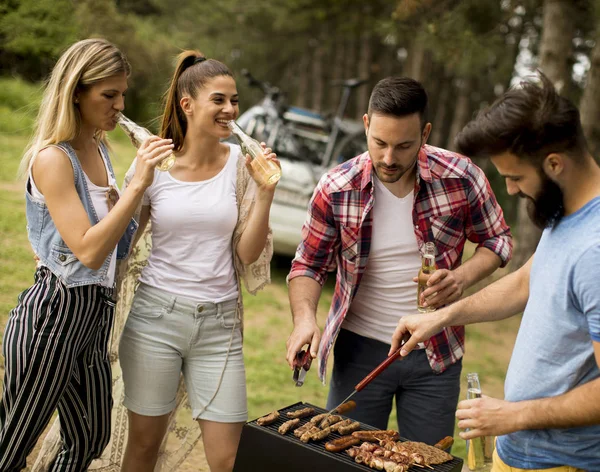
(350, 146)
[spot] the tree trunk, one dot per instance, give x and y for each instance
(555, 61)
(462, 110)
(440, 117)
(364, 72)
(317, 77)
(303, 79)
(416, 60)
(338, 72)
(590, 103)
(556, 47)
(350, 71)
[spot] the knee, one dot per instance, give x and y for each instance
(224, 463)
(143, 446)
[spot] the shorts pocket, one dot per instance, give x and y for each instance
(144, 308)
(229, 319)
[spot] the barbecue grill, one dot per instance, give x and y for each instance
(263, 449)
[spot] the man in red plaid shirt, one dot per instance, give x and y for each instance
(369, 217)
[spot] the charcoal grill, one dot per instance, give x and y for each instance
(263, 449)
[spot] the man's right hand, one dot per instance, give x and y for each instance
(420, 327)
(305, 332)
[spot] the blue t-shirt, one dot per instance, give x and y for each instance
(554, 353)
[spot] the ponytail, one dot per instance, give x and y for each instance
(191, 73)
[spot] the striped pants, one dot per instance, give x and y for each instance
(55, 351)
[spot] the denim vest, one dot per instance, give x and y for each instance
(49, 246)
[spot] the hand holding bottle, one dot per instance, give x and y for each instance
(487, 416)
(261, 162)
(257, 174)
(151, 152)
(138, 135)
(442, 288)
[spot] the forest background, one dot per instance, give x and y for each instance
(465, 52)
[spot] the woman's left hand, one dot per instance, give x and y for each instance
(264, 188)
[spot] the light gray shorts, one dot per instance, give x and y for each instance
(167, 335)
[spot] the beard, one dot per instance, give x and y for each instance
(547, 208)
(395, 172)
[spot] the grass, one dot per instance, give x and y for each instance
(267, 318)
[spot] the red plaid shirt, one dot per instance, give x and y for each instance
(453, 203)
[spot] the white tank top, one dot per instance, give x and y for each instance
(387, 291)
(192, 230)
(100, 203)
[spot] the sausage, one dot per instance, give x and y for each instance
(347, 429)
(445, 443)
(289, 426)
(303, 429)
(301, 413)
(316, 419)
(330, 420)
(320, 434)
(341, 444)
(345, 407)
(375, 436)
(307, 435)
(338, 425)
(268, 419)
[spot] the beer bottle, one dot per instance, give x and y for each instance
(428, 267)
(267, 171)
(137, 134)
(479, 450)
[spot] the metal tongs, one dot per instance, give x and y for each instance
(302, 363)
(374, 373)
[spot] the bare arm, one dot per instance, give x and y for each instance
(489, 416)
(91, 244)
(502, 299)
(447, 286)
(253, 239)
(304, 294)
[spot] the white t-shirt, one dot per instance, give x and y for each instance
(100, 203)
(387, 291)
(192, 229)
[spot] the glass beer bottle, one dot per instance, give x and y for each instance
(479, 450)
(268, 171)
(138, 134)
(428, 267)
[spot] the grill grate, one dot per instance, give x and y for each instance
(262, 448)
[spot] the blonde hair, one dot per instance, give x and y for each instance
(192, 71)
(82, 65)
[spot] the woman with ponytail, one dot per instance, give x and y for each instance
(209, 219)
(55, 341)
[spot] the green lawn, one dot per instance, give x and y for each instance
(268, 321)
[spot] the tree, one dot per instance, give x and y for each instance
(33, 34)
(556, 61)
(590, 101)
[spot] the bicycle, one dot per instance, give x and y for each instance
(307, 145)
(298, 133)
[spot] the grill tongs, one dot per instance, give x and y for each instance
(302, 363)
(374, 373)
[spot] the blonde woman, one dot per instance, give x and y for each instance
(186, 315)
(55, 341)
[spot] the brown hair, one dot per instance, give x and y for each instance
(399, 96)
(192, 72)
(530, 122)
